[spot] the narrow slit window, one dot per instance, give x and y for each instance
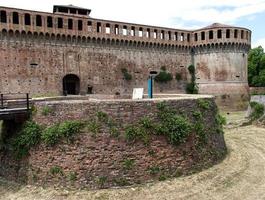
(15, 18)
(60, 22)
(27, 19)
(80, 25)
(3, 16)
(70, 24)
(49, 22)
(38, 20)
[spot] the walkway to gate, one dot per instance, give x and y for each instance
(14, 106)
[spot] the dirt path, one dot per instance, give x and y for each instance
(240, 176)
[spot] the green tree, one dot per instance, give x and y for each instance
(256, 67)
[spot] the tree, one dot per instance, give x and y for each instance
(256, 67)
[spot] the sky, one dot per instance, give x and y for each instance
(186, 14)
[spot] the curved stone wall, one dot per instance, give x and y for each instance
(101, 160)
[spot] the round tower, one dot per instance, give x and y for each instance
(220, 56)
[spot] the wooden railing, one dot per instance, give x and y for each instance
(14, 101)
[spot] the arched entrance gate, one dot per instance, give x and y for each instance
(71, 84)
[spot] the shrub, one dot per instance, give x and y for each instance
(94, 127)
(53, 134)
(163, 76)
(203, 104)
(121, 181)
(178, 76)
(192, 88)
(191, 69)
(72, 176)
(128, 163)
(28, 137)
(102, 117)
(221, 120)
(257, 110)
(55, 170)
(131, 133)
(127, 76)
(102, 180)
(197, 115)
(69, 128)
(154, 170)
(176, 129)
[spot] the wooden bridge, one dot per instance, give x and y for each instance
(14, 106)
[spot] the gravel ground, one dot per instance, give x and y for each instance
(240, 176)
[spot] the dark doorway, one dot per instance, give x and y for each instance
(71, 84)
(89, 89)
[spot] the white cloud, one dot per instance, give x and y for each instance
(163, 13)
(259, 42)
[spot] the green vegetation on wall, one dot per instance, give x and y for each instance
(256, 67)
(32, 134)
(176, 128)
(192, 88)
(163, 76)
(127, 76)
(178, 76)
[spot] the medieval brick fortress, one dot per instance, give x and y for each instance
(68, 51)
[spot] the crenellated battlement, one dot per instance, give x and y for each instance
(71, 22)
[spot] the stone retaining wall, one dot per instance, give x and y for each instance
(99, 161)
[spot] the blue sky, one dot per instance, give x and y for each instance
(187, 14)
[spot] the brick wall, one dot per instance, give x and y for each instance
(100, 161)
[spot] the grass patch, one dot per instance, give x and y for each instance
(128, 164)
(56, 170)
(46, 110)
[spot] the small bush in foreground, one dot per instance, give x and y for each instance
(53, 134)
(28, 137)
(257, 110)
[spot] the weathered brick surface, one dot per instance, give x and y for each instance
(101, 158)
(97, 53)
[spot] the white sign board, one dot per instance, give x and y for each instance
(138, 93)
